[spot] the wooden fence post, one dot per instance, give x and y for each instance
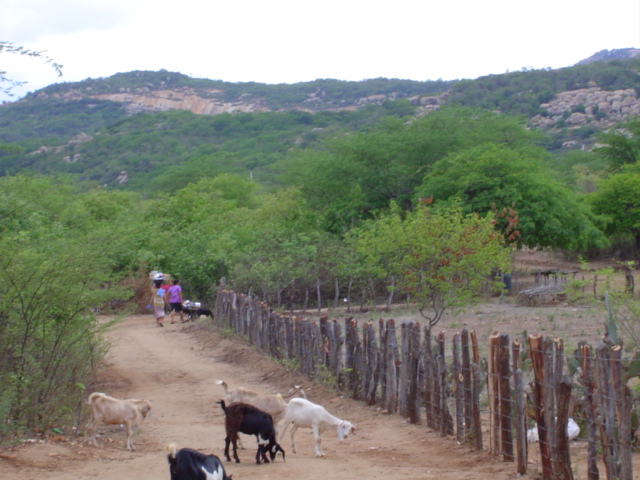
(494, 393)
(382, 329)
(520, 417)
(429, 374)
(504, 376)
(466, 382)
(458, 382)
(610, 451)
(414, 366)
(538, 390)
(446, 421)
(623, 410)
(562, 456)
(589, 412)
(391, 373)
(370, 373)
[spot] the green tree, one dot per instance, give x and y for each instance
(492, 177)
(353, 176)
(618, 200)
(56, 266)
(620, 147)
(443, 259)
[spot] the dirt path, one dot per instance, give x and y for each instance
(175, 368)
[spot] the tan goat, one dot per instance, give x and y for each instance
(112, 411)
(273, 404)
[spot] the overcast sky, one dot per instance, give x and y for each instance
(289, 41)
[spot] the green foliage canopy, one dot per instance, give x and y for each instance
(492, 177)
(442, 258)
(618, 199)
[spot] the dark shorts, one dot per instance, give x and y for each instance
(176, 307)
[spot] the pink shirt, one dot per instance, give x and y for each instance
(174, 294)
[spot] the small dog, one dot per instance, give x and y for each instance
(204, 311)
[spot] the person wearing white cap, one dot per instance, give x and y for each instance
(158, 299)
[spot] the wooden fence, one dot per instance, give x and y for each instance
(414, 374)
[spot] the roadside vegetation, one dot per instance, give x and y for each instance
(296, 208)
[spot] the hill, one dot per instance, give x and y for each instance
(103, 130)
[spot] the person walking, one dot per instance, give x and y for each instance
(175, 300)
(158, 299)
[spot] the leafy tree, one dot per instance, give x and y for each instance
(442, 258)
(491, 177)
(618, 199)
(56, 266)
(355, 175)
(621, 147)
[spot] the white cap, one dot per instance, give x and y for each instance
(159, 276)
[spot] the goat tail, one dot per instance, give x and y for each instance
(92, 396)
(172, 448)
(223, 384)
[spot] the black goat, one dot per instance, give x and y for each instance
(188, 464)
(244, 418)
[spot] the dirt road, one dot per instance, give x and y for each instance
(175, 367)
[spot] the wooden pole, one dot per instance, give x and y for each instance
(589, 411)
(562, 455)
(391, 400)
(458, 385)
(520, 423)
(466, 382)
(538, 390)
(504, 375)
(607, 425)
(623, 413)
(429, 374)
(494, 393)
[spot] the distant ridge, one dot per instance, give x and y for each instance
(608, 55)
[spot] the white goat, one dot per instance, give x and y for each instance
(572, 431)
(305, 414)
(112, 411)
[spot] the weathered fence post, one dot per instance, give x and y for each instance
(391, 374)
(607, 425)
(429, 373)
(520, 417)
(466, 382)
(538, 386)
(404, 371)
(504, 375)
(370, 372)
(494, 394)
(623, 410)
(414, 365)
(590, 413)
(458, 385)
(446, 422)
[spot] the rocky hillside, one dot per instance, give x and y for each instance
(588, 100)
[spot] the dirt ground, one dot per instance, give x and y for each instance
(176, 367)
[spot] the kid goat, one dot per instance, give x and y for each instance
(244, 418)
(302, 413)
(112, 411)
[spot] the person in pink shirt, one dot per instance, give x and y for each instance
(175, 300)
